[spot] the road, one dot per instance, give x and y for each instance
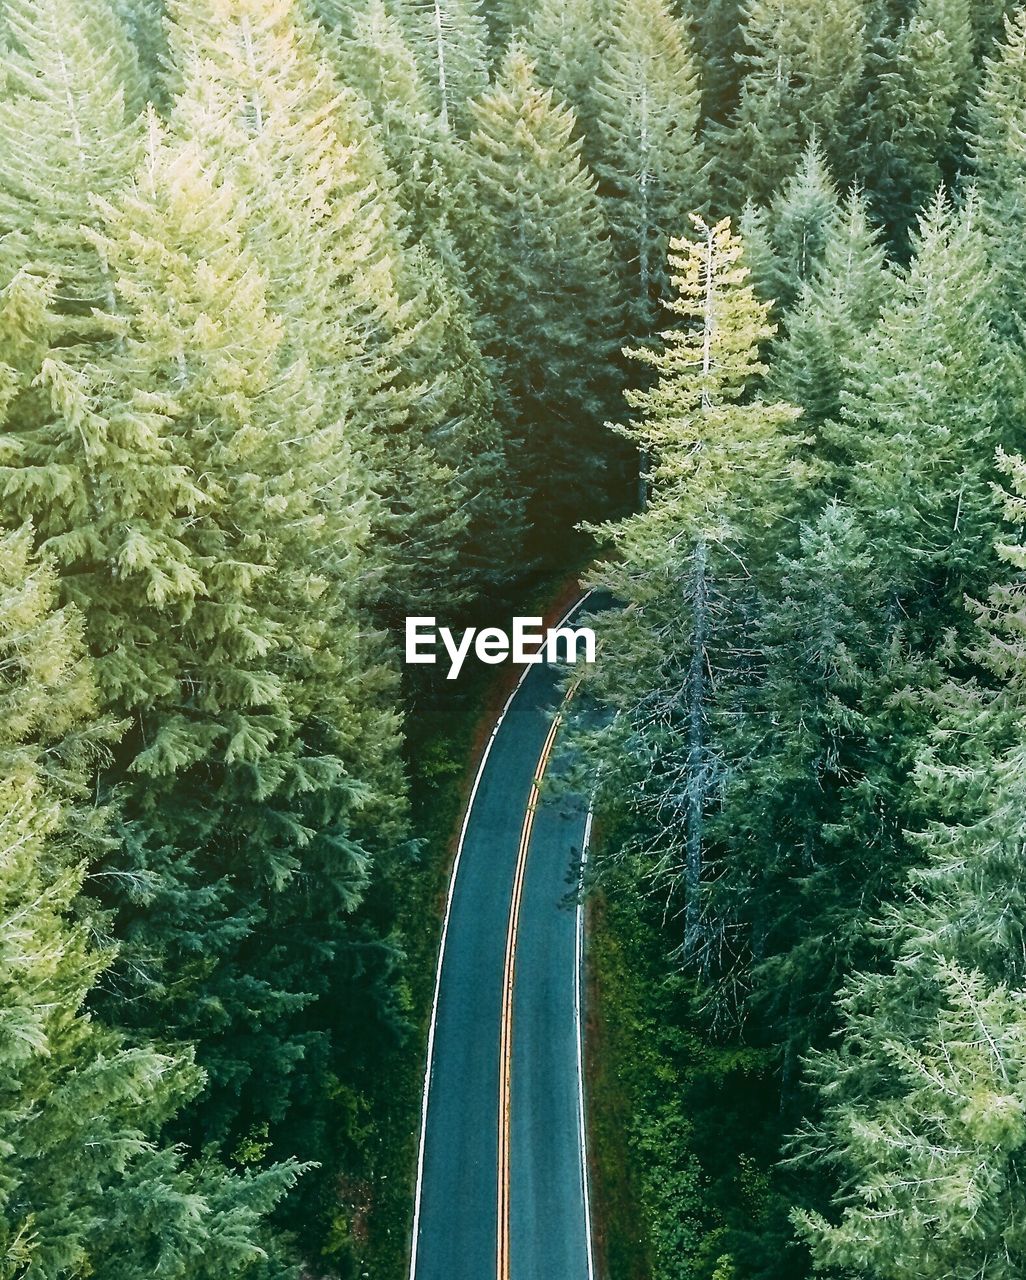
(501, 1186)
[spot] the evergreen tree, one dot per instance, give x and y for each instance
(803, 67)
(721, 469)
(542, 275)
(837, 303)
(922, 1122)
(256, 91)
(217, 583)
(73, 89)
(649, 155)
(450, 40)
(86, 1187)
(435, 200)
(718, 33)
(934, 390)
(563, 39)
(788, 244)
(998, 122)
(923, 75)
(818, 743)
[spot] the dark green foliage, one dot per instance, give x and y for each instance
(543, 278)
(839, 300)
(922, 75)
(311, 315)
(803, 68)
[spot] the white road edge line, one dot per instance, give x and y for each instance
(418, 1194)
(582, 1117)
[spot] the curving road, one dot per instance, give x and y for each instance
(501, 1182)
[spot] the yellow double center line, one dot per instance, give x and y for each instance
(506, 1025)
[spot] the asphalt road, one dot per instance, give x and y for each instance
(501, 1189)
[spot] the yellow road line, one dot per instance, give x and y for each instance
(506, 1024)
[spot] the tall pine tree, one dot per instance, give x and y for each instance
(649, 157)
(87, 1184)
(542, 276)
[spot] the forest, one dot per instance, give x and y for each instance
(318, 314)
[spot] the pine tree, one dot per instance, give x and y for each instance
(803, 79)
(450, 40)
(542, 275)
(649, 156)
(262, 101)
(818, 750)
(220, 587)
(933, 392)
(70, 89)
(922, 1126)
(838, 303)
(998, 120)
(435, 199)
(563, 39)
(797, 227)
(721, 469)
(87, 1186)
(718, 34)
(923, 75)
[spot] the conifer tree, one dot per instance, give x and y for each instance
(563, 38)
(718, 33)
(86, 1186)
(838, 302)
(542, 275)
(923, 75)
(933, 392)
(450, 41)
(256, 91)
(218, 581)
(997, 149)
(721, 469)
(803, 66)
(795, 230)
(649, 157)
(70, 108)
(434, 195)
(818, 751)
(922, 1121)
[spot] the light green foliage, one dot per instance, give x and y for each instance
(803, 69)
(722, 471)
(262, 101)
(435, 203)
(649, 157)
(69, 107)
(712, 451)
(924, 1119)
(542, 276)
